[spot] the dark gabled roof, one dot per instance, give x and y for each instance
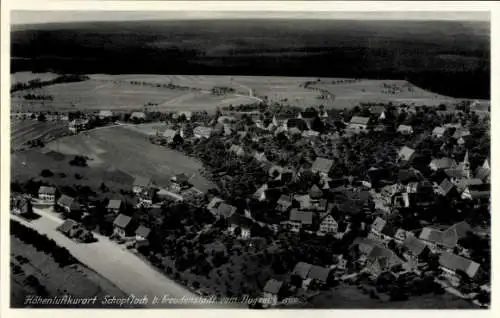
(456, 262)
(47, 190)
(273, 286)
(66, 201)
(302, 269)
(304, 217)
(319, 273)
(143, 231)
(240, 220)
(408, 175)
(122, 221)
(225, 210)
(350, 207)
(414, 245)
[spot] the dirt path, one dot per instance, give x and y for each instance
(124, 269)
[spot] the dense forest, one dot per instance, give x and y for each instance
(451, 58)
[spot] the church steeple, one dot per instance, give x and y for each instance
(466, 164)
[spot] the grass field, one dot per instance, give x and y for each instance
(110, 148)
(23, 131)
(25, 77)
(75, 280)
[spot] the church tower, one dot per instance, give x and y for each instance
(466, 165)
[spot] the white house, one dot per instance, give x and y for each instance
(47, 194)
(328, 225)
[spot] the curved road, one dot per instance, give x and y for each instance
(120, 266)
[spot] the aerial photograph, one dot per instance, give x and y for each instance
(250, 160)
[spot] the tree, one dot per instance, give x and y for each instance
(46, 173)
(41, 117)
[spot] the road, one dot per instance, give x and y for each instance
(120, 266)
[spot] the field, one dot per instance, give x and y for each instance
(23, 131)
(25, 77)
(115, 148)
(75, 280)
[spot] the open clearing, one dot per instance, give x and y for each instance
(114, 147)
(75, 280)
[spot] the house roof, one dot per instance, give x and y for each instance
(294, 131)
(106, 113)
(46, 190)
(302, 269)
(447, 238)
(181, 178)
(456, 262)
(143, 231)
(405, 153)
(240, 220)
(304, 217)
(322, 165)
(461, 228)
(446, 186)
(137, 115)
(114, 204)
(377, 110)
(285, 200)
(444, 163)
(304, 201)
(142, 181)
(65, 201)
(464, 183)
(204, 131)
(350, 207)
(409, 175)
(359, 120)
(214, 203)
(404, 128)
(315, 192)
(365, 245)
(455, 173)
(122, 221)
(461, 132)
(273, 286)
(225, 210)
(482, 173)
(67, 225)
(319, 273)
(438, 130)
(414, 245)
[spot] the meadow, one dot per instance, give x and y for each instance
(23, 131)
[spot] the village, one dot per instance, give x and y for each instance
(392, 199)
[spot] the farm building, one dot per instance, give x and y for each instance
(358, 123)
(114, 206)
(273, 291)
(77, 125)
(414, 248)
(405, 129)
(141, 184)
(47, 194)
(121, 225)
(21, 206)
(104, 114)
(202, 132)
(180, 182)
(138, 116)
(299, 219)
(241, 222)
(328, 225)
(451, 263)
(406, 153)
(68, 204)
(142, 235)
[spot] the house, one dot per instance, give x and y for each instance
(260, 156)
(380, 260)
(141, 184)
(406, 153)
(179, 182)
(241, 222)
(284, 203)
(415, 249)
(455, 175)
(446, 188)
(121, 225)
(237, 150)
(322, 166)
(382, 230)
(364, 246)
(298, 219)
(138, 116)
(405, 129)
(273, 291)
(202, 132)
(114, 206)
(164, 194)
(438, 132)
(147, 197)
(465, 183)
(304, 201)
(260, 194)
(77, 125)
(401, 235)
(442, 164)
(169, 135)
(439, 240)
(378, 111)
(142, 235)
(187, 114)
(451, 263)
(483, 173)
(104, 114)
(476, 192)
(47, 194)
(302, 270)
(68, 204)
(358, 123)
(225, 210)
(315, 193)
(461, 134)
(407, 176)
(319, 275)
(328, 225)
(68, 227)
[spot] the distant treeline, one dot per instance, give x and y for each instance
(37, 83)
